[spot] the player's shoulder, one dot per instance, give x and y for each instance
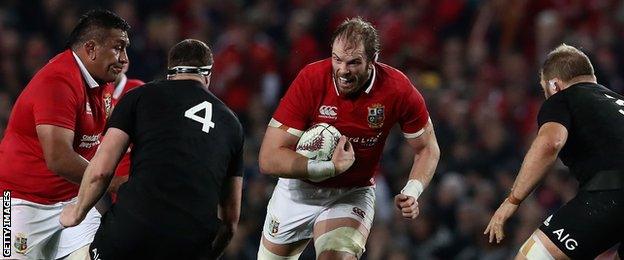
(317, 71)
(236, 123)
(313, 77)
(577, 93)
(61, 68)
(139, 88)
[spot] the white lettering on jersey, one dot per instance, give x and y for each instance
(95, 256)
(619, 102)
(569, 242)
(88, 141)
(330, 112)
(206, 120)
(365, 141)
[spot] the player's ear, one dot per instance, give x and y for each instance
(207, 80)
(555, 85)
(90, 49)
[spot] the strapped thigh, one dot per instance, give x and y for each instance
(343, 239)
(534, 249)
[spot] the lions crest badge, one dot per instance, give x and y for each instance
(21, 243)
(273, 227)
(108, 104)
(376, 116)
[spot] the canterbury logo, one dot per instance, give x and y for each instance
(328, 111)
(359, 212)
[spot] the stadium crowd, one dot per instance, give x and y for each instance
(474, 61)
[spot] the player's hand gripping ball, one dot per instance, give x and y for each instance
(319, 142)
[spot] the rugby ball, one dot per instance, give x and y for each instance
(318, 142)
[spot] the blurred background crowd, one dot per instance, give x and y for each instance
(475, 61)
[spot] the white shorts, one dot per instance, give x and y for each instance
(36, 232)
(296, 206)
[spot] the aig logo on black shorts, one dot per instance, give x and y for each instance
(569, 242)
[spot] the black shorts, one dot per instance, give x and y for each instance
(121, 236)
(587, 225)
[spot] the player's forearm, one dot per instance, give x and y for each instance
(425, 163)
(69, 165)
(283, 162)
(94, 184)
(222, 240)
(540, 157)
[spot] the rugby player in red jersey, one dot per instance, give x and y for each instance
(53, 130)
(333, 201)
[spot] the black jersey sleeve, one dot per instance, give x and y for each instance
(555, 109)
(236, 164)
(123, 114)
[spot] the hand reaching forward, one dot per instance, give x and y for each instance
(407, 205)
(343, 156)
(502, 214)
(69, 216)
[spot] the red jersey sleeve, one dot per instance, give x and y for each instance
(296, 106)
(55, 103)
(414, 115)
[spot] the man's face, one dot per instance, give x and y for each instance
(350, 66)
(110, 56)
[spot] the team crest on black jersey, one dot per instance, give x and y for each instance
(108, 104)
(376, 115)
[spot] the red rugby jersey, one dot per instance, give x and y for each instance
(390, 98)
(57, 95)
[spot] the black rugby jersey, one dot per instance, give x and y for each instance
(186, 144)
(594, 118)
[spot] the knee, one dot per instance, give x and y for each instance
(266, 254)
(340, 243)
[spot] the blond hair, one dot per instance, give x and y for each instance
(356, 30)
(566, 62)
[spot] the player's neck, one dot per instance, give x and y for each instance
(581, 79)
(183, 76)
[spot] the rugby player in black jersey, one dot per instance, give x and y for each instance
(581, 122)
(183, 196)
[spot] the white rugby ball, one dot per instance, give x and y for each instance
(319, 142)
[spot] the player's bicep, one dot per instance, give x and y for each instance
(423, 140)
(552, 136)
(280, 137)
(113, 147)
(57, 104)
(56, 142)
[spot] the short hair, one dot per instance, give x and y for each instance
(566, 62)
(190, 52)
(355, 30)
(93, 25)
